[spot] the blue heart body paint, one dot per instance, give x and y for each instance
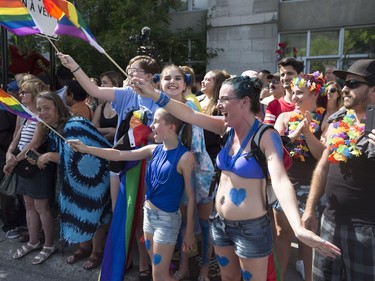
(148, 245)
(223, 261)
(277, 144)
(246, 275)
(237, 195)
(157, 259)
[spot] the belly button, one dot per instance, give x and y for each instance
(222, 200)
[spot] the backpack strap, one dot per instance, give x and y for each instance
(217, 172)
(257, 153)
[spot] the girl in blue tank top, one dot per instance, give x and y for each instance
(169, 174)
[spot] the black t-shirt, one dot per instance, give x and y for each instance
(350, 191)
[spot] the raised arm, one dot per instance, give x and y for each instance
(90, 87)
(179, 109)
(113, 154)
(271, 145)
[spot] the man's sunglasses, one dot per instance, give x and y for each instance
(353, 84)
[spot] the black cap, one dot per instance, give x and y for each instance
(363, 68)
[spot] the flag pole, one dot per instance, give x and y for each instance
(53, 45)
(52, 129)
(40, 120)
(115, 63)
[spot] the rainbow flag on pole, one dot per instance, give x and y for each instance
(12, 105)
(70, 21)
(15, 17)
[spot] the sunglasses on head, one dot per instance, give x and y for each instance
(353, 84)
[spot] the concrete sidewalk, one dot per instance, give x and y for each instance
(55, 268)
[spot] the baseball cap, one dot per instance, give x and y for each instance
(364, 68)
(275, 75)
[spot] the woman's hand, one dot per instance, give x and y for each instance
(8, 169)
(11, 159)
(189, 241)
(43, 160)
(144, 88)
(321, 245)
(77, 146)
(68, 61)
(306, 121)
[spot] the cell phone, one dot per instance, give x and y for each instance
(370, 118)
(32, 154)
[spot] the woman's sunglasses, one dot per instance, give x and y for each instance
(353, 84)
(333, 90)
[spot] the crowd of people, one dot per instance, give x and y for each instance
(203, 181)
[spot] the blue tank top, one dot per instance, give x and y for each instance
(164, 184)
(238, 163)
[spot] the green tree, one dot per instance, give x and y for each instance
(112, 22)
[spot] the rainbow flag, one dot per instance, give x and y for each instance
(15, 17)
(70, 21)
(12, 105)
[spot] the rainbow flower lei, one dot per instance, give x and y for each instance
(299, 148)
(342, 144)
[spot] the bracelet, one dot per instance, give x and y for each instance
(163, 100)
(75, 70)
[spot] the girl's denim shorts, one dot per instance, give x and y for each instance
(250, 238)
(164, 226)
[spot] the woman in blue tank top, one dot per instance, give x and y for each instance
(169, 174)
(240, 229)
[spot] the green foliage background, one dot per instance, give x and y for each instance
(112, 22)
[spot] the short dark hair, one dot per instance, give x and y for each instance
(244, 86)
(265, 71)
(298, 65)
(75, 89)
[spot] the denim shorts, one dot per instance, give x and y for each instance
(250, 238)
(164, 226)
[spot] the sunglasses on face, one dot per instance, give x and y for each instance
(353, 84)
(333, 90)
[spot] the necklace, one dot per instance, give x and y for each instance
(299, 149)
(230, 160)
(342, 144)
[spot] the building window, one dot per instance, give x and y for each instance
(192, 5)
(324, 43)
(339, 47)
(359, 40)
(294, 42)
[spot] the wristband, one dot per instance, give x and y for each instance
(75, 70)
(163, 100)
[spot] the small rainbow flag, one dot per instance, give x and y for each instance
(12, 105)
(70, 21)
(15, 17)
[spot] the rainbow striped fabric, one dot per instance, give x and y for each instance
(15, 17)
(70, 21)
(12, 105)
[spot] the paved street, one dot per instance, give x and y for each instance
(55, 268)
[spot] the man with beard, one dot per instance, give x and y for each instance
(346, 174)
